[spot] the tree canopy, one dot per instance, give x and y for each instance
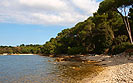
(122, 7)
(104, 32)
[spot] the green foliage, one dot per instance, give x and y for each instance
(22, 49)
(121, 47)
(120, 39)
(49, 47)
(94, 35)
(103, 37)
(76, 50)
(107, 5)
(121, 7)
(105, 30)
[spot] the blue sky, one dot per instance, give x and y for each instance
(16, 34)
(36, 21)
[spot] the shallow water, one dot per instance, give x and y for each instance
(38, 69)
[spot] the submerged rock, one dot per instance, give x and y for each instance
(59, 59)
(51, 55)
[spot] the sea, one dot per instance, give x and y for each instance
(42, 69)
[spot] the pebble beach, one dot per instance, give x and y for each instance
(117, 69)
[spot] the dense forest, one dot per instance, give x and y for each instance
(108, 31)
(22, 49)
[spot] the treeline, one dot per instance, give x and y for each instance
(22, 49)
(107, 31)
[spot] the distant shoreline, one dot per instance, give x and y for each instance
(16, 54)
(22, 54)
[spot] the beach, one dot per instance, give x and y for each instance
(117, 69)
(23, 54)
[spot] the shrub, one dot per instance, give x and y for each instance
(120, 39)
(76, 50)
(121, 48)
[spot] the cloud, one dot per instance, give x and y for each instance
(47, 12)
(88, 6)
(53, 5)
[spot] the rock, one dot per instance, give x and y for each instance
(97, 55)
(54, 63)
(51, 55)
(59, 59)
(103, 64)
(49, 61)
(103, 60)
(82, 55)
(73, 67)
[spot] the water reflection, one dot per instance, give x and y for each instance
(38, 69)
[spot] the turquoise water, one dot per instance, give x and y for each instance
(38, 69)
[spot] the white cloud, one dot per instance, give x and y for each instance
(88, 6)
(55, 12)
(45, 4)
(48, 19)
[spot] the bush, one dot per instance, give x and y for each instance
(76, 50)
(121, 48)
(120, 39)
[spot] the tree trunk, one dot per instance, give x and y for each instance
(130, 32)
(127, 25)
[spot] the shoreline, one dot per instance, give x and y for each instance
(15, 54)
(117, 69)
(22, 54)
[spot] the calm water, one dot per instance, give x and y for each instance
(38, 69)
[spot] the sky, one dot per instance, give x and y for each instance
(36, 21)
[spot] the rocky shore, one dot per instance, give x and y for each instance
(118, 69)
